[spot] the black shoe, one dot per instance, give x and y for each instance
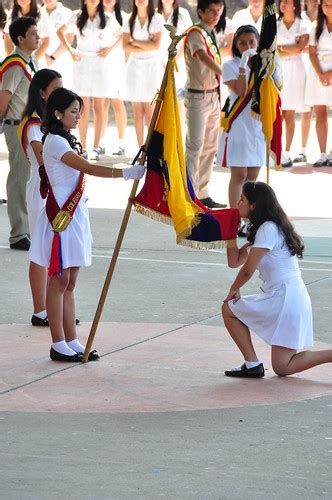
(287, 164)
(210, 203)
(93, 356)
(301, 158)
(321, 163)
(35, 321)
(257, 372)
(23, 244)
(57, 356)
(329, 162)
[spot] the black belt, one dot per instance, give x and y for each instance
(196, 91)
(12, 122)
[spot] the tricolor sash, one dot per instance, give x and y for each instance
(60, 219)
(238, 106)
(23, 128)
(17, 60)
(210, 43)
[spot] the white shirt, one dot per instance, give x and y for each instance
(43, 24)
(230, 71)
(244, 16)
(34, 134)
(324, 45)
(142, 33)
(59, 16)
(289, 36)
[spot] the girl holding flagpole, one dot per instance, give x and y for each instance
(62, 239)
(242, 144)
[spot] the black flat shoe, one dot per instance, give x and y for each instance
(93, 356)
(35, 321)
(57, 356)
(210, 203)
(23, 244)
(244, 372)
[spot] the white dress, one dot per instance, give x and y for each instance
(281, 315)
(90, 74)
(144, 71)
(35, 202)
(293, 68)
(63, 64)
(315, 92)
(116, 60)
(243, 16)
(221, 41)
(76, 240)
(245, 142)
(184, 22)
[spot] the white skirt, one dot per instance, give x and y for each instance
(281, 315)
(317, 94)
(35, 202)
(116, 65)
(90, 76)
(143, 78)
(294, 81)
(76, 240)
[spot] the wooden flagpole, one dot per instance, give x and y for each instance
(172, 53)
(267, 164)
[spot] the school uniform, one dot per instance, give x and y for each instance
(144, 71)
(116, 60)
(281, 315)
(35, 202)
(244, 145)
(76, 239)
(317, 94)
(221, 41)
(293, 68)
(244, 16)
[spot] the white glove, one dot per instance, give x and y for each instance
(246, 55)
(135, 172)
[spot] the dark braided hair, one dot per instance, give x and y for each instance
(267, 208)
(60, 100)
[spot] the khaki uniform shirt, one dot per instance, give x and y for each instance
(16, 82)
(199, 76)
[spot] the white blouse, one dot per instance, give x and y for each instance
(142, 33)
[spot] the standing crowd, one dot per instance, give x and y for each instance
(99, 56)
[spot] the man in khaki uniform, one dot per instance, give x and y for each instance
(16, 73)
(202, 98)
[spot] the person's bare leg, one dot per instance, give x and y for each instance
(321, 127)
(120, 115)
(98, 119)
(84, 121)
(289, 117)
(106, 107)
(252, 173)
(148, 112)
(56, 288)
(238, 177)
(287, 361)
(305, 127)
(138, 110)
(69, 317)
(38, 284)
(239, 333)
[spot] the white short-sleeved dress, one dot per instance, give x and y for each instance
(90, 73)
(184, 22)
(76, 240)
(221, 40)
(244, 145)
(281, 315)
(63, 64)
(35, 202)
(116, 60)
(293, 68)
(243, 16)
(144, 71)
(317, 94)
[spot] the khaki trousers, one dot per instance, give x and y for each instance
(19, 174)
(203, 124)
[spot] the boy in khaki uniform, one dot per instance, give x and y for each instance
(202, 102)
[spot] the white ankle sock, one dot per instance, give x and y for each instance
(41, 314)
(76, 346)
(62, 348)
(323, 156)
(304, 151)
(252, 364)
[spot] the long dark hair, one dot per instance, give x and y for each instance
(117, 11)
(267, 208)
(133, 15)
(60, 100)
(246, 28)
(297, 5)
(222, 20)
(321, 18)
(33, 12)
(40, 81)
(3, 15)
(175, 17)
(83, 16)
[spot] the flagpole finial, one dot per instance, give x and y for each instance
(172, 50)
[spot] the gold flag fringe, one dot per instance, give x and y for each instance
(207, 245)
(152, 214)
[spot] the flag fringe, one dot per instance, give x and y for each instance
(153, 214)
(206, 245)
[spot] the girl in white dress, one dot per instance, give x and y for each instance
(41, 86)
(28, 8)
(90, 67)
(65, 249)
(319, 84)
(142, 34)
(116, 67)
(242, 147)
(281, 314)
(293, 36)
